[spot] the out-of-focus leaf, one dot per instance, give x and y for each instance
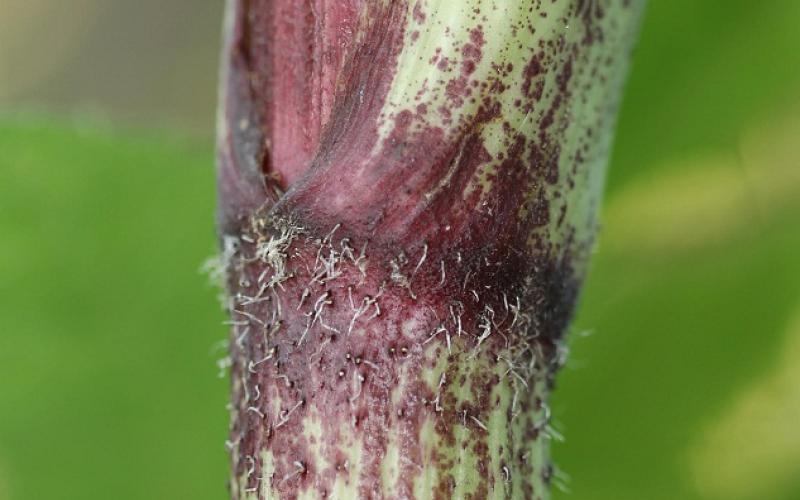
(704, 72)
(753, 450)
(108, 382)
(690, 291)
(709, 200)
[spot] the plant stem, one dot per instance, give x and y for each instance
(408, 194)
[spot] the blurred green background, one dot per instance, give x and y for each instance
(684, 377)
